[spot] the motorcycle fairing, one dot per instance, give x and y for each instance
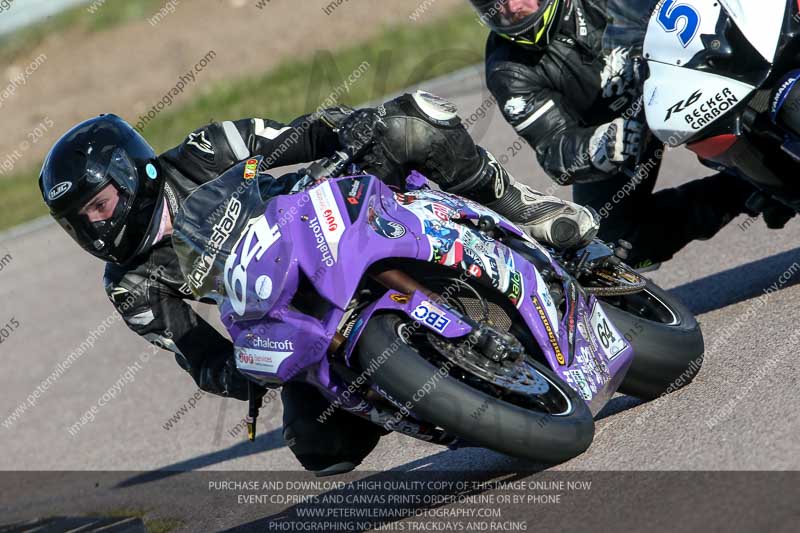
(674, 33)
(321, 243)
(694, 77)
(573, 350)
(680, 102)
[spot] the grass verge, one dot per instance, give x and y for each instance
(112, 13)
(398, 57)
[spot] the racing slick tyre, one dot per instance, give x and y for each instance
(667, 341)
(521, 429)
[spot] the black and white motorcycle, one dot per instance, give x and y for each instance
(722, 77)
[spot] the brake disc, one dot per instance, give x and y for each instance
(515, 375)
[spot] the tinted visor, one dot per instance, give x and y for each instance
(108, 235)
(120, 170)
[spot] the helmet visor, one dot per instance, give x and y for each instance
(102, 225)
(520, 20)
(510, 17)
(120, 170)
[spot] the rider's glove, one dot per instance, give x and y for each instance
(614, 143)
(618, 73)
(360, 130)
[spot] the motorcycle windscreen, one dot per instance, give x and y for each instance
(210, 224)
(760, 21)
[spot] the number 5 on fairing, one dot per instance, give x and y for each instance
(670, 15)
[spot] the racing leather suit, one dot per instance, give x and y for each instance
(553, 98)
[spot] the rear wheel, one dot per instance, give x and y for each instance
(526, 412)
(667, 341)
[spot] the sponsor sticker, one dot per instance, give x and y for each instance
(250, 169)
(453, 256)
(544, 295)
(404, 199)
(221, 232)
(474, 271)
(781, 95)
(399, 298)
(321, 243)
(353, 191)
(428, 313)
(264, 287)
(572, 316)
(329, 216)
(515, 288)
(551, 336)
(260, 360)
(593, 365)
(611, 342)
(583, 329)
(473, 263)
(441, 236)
(711, 108)
(441, 211)
(384, 227)
(579, 379)
(683, 105)
(261, 342)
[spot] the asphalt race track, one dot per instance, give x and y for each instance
(741, 413)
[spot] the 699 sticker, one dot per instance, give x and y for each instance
(611, 342)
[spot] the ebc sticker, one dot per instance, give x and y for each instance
(431, 315)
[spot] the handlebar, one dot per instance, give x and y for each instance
(330, 167)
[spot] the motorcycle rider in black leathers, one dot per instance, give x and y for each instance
(576, 105)
(109, 190)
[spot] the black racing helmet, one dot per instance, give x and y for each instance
(528, 22)
(99, 152)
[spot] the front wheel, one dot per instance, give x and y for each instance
(667, 342)
(553, 424)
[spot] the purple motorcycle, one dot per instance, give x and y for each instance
(426, 313)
